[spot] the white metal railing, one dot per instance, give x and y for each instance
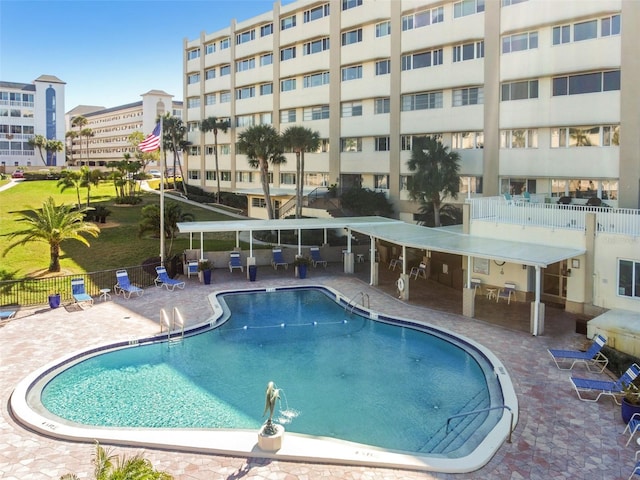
(623, 221)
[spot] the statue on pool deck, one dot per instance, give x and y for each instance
(272, 396)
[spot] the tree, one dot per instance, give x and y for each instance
(71, 136)
(49, 145)
(53, 224)
(79, 122)
(53, 146)
(263, 146)
(87, 133)
(212, 124)
(144, 157)
(90, 178)
(173, 214)
(435, 173)
(71, 179)
(300, 140)
(173, 135)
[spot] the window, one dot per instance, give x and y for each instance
(193, 78)
(315, 46)
(383, 29)
(258, 202)
(381, 181)
(210, 99)
(506, 3)
(610, 26)
(382, 144)
(586, 83)
(225, 43)
(351, 73)
(423, 19)
(610, 135)
(315, 113)
(351, 144)
(468, 51)
(585, 30)
(467, 140)
(245, 92)
(244, 177)
(193, 102)
(193, 174)
(266, 30)
(316, 179)
(225, 97)
(316, 80)
(347, 4)
(316, 13)
(288, 22)
(287, 178)
(467, 7)
(266, 59)
(288, 116)
(244, 121)
(225, 149)
(323, 147)
(561, 34)
(287, 84)
(245, 37)
(266, 89)
(287, 53)
(519, 90)
(519, 138)
(266, 118)
(468, 96)
(383, 67)
(585, 136)
(421, 101)
(629, 278)
(225, 70)
(209, 48)
(381, 105)
(352, 36)
(193, 54)
(422, 60)
(351, 109)
(519, 42)
(246, 64)
(210, 73)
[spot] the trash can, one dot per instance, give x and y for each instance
(54, 300)
(252, 273)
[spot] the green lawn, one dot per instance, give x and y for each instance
(117, 245)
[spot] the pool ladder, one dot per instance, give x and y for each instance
(482, 410)
(351, 304)
(173, 324)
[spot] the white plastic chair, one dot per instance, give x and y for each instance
(419, 271)
(395, 262)
(506, 292)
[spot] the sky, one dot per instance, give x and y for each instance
(109, 52)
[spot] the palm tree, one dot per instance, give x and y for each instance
(435, 173)
(71, 136)
(263, 145)
(87, 133)
(300, 140)
(150, 222)
(212, 124)
(39, 142)
(71, 179)
(53, 224)
(90, 178)
(79, 122)
(173, 136)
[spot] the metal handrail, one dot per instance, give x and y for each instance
(501, 407)
(353, 304)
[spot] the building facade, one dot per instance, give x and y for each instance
(26, 110)
(534, 95)
(108, 129)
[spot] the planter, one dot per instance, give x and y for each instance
(54, 300)
(253, 270)
(627, 410)
(302, 271)
(206, 277)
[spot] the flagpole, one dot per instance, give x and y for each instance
(162, 165)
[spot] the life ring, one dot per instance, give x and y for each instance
(400, 285)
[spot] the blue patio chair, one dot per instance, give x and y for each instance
(79, 293)
(316, 259)
(163, 279)
(7, 314)
(593, 357)
(605, 387)
(506, 292)
(235, 261)
(508, 198)
(636, 469)
(278, 259)
(192, 268)
(124, 286)
(632, 427)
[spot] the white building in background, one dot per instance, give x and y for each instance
(110, 127)
(534, 94)
(26, 110)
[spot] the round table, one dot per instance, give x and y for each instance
(104, 294)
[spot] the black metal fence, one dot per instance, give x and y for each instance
(36, 291)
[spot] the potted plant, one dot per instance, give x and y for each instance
(630, 401)
(204, 271)
(301, 264)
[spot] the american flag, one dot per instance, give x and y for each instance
(152, 142)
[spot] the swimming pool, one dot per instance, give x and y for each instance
(327, 353)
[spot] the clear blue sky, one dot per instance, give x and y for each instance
(109, 52)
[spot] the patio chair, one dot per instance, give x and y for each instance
(7, 314)
(476, 284)
(593, 357)
(636, 469)
(506, 292)
(420, 270)
(508, 198)
(124, 286)
(278, 259)
(192, 268)
(395, 262)
(79, 293)
(605, 387)
(632, 427)
(316, 259)
(235, 261)
(163, 279)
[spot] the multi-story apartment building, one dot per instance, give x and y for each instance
(109, 128)
(533, 94)
(26, 110)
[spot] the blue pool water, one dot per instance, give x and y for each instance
(345, 376)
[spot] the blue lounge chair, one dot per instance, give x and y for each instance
(278, 259)
(593, 357)
(163, 279)
(605, 387)
(636, 469)
(79, 293)
(632, 427)
(235, 261)
(7, 314)
(316, 259)
(124, 286)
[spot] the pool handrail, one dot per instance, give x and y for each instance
(499, 407)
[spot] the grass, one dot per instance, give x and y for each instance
(118, 244)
